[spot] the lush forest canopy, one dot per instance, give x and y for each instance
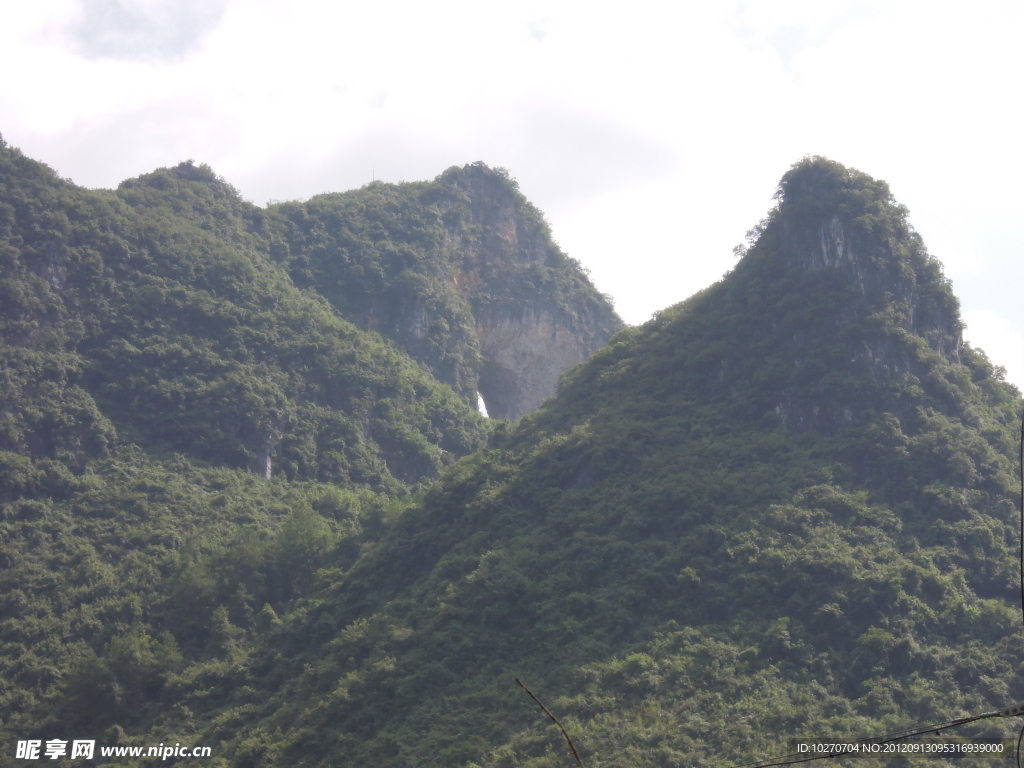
(188, 434)
(783, 507)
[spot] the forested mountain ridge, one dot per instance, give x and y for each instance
(186, 434)
(118, 277)
(461, 272)
(189, 339)
(783, 507)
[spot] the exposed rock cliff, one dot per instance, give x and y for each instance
(523, 358)
(831, 217)
(462, 273)
(536, 313)
(838, 231)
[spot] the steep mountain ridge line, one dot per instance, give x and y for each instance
(872, 247)
(422, 302)
(192, 339)
(438, 266)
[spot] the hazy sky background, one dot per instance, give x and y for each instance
(652, 136)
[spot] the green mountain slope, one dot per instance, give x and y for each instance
(785, 506)
(157, 369)
(186, 437)
(189, 338)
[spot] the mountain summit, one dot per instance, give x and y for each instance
(831, 217)
(461, 272)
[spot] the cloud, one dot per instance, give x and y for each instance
(561, 156)
(142, 30)
(791, 26)
(537, 30)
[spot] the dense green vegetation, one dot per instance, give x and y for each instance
(783, 507)
(156, 364)
(163, 313)
(188, 438)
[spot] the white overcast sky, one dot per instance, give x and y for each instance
(652, 135)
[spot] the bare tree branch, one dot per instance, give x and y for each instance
(554, 719)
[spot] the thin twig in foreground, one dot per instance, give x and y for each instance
(554, 719)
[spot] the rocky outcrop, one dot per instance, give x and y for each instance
(859, 275)
(831, 217)
(536, 312)
(462, 273)
(523, 359)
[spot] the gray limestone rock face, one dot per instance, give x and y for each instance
(824, 226)
(523, 360)
(536, 313)
(887, 295)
